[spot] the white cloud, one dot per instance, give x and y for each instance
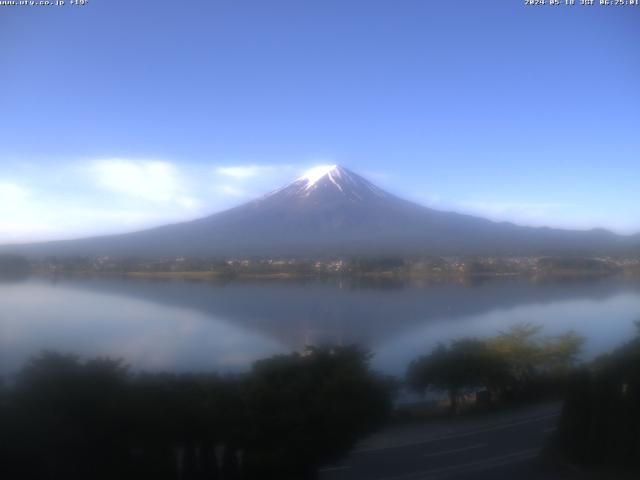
(241, 172)
(244, 181)
(97, 197)
(116, 194)
(232, 191)
(189, 202)
(151, 180)
(14, 230)
(13, 200)
(11, 192)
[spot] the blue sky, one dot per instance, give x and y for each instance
(124, 114)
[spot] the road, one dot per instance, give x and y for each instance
(493, 446)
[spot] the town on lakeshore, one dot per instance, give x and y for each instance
(436, 268)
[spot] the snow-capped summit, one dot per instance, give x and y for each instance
(328, 180)
(311, 176)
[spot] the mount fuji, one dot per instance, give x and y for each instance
(331, 211)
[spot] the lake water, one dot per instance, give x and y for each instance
(196, 326)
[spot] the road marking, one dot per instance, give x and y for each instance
(333, 469)
(455, 450)
(441, 473)
(549, 430)
(503, 426)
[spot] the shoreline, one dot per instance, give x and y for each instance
(369, 276)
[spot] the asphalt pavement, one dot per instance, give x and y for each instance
(495, 446)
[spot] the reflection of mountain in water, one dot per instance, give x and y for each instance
(298, 314)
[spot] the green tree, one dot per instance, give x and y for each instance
(463, 366)
(309, 409)
(516, 362)
(530, 355)
(520, 348)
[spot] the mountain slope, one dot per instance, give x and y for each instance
(332, 211)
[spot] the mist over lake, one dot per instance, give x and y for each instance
(206, 326)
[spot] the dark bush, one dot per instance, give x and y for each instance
(67, 419)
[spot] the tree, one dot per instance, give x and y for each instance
(561, 352)
(465, 365)
(517, 361)
(600, 422)
(310, 409)
(530, 356)
(64, 418)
